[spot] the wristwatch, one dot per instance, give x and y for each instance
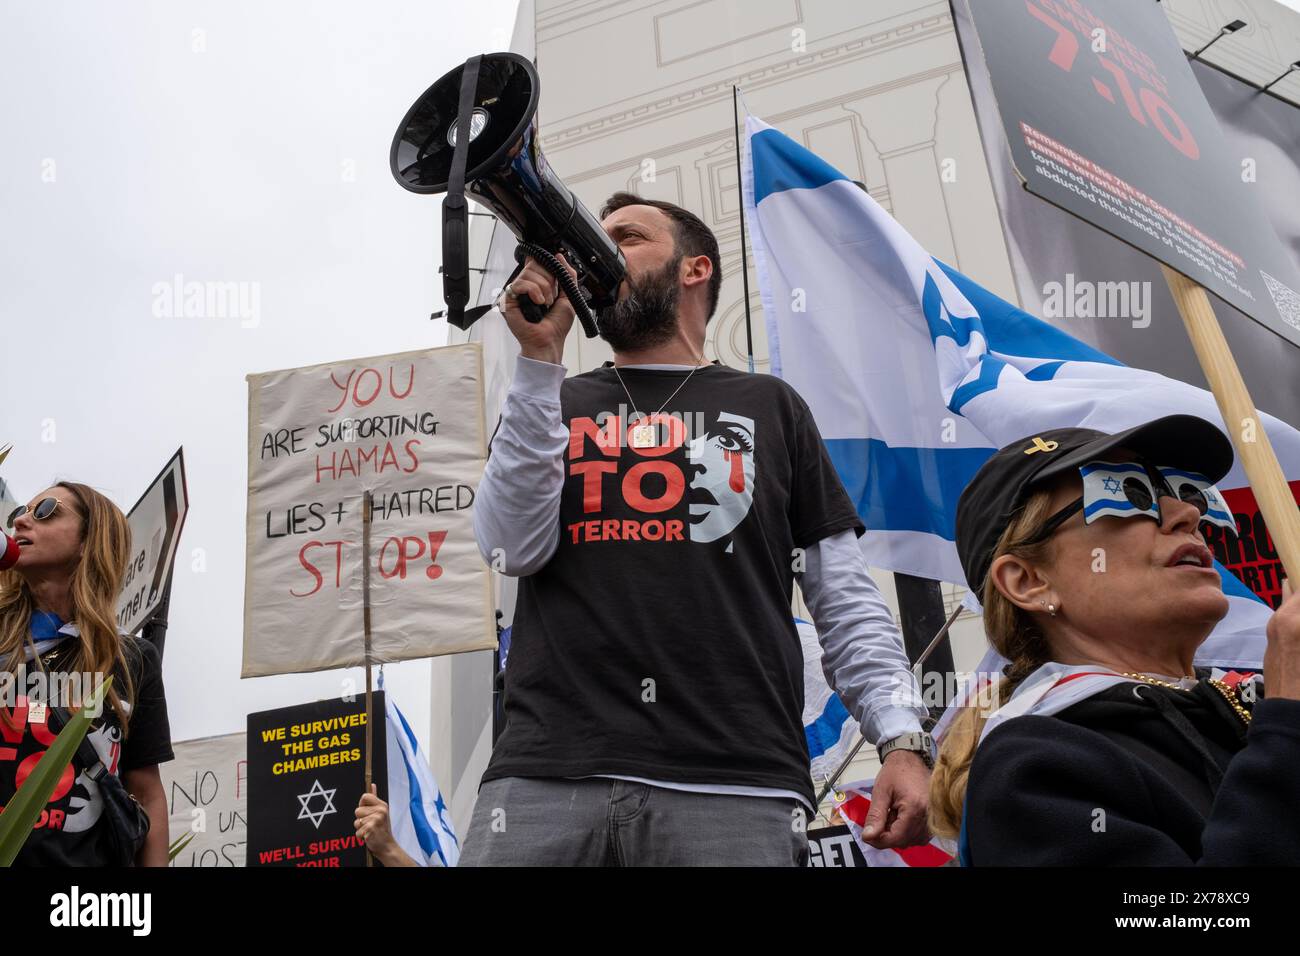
(918, 741)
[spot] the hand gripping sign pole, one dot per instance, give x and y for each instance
(1239, 415)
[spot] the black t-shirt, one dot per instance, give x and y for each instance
(70, 830)
(658, 641)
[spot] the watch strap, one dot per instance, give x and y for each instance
(917, 741)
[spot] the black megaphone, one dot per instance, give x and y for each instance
(475, 130)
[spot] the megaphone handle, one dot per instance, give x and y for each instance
(532, 311)
(529, 309)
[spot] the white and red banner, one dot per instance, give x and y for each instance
(854, 809)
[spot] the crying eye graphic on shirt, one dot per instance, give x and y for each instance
(721, 488)
(651, 481)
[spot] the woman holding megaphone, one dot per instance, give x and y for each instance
(58, 630)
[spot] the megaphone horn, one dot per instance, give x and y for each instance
(475, 131)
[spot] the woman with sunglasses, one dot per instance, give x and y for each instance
(1103, 744)
(58, 614)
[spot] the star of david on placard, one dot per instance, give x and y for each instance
(315, 816)
(1111, 485)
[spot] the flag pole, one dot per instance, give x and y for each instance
(920, 661)
(1251, 441)
(366, 509)
(744, 260)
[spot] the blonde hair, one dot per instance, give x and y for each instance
(96, 584)
(1014, 634)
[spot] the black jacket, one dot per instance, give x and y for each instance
(1139, 775)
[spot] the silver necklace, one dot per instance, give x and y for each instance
(643, 435)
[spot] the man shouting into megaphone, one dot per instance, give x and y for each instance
(657, 511)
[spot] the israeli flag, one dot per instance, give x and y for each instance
(1218, 511)
(418, 816)
(1103, 491)
(828, 727)
(915, 374)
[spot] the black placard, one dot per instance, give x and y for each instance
(306, 774)
(834, 847)
(1105, 119)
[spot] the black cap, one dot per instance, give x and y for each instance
(1002, 485)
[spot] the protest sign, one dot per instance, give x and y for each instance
(306, 774)
(834, 847)
(155, 521)
(207, 796)
(409, 429)
(1104, 118)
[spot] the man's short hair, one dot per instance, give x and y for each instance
(691, 237)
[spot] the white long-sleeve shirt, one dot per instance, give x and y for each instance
(516, 523)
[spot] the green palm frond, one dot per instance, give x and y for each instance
(22, 812)
(179, 844)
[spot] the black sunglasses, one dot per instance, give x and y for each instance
(44, 508)
(1137, 494)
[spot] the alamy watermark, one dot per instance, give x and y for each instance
(941, 690)
(190, 299)
(40, 689)
(1082, 299)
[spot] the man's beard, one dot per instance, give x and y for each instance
(647, 315)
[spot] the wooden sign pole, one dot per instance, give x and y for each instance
(367, 507)
(1244, 427)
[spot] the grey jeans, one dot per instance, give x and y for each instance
(533, 821)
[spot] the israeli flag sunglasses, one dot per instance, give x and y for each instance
(1133, 490)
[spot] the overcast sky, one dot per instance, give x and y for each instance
(219, 141)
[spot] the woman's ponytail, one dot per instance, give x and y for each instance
(1013, 633)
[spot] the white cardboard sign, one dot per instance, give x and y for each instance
(407, 427)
